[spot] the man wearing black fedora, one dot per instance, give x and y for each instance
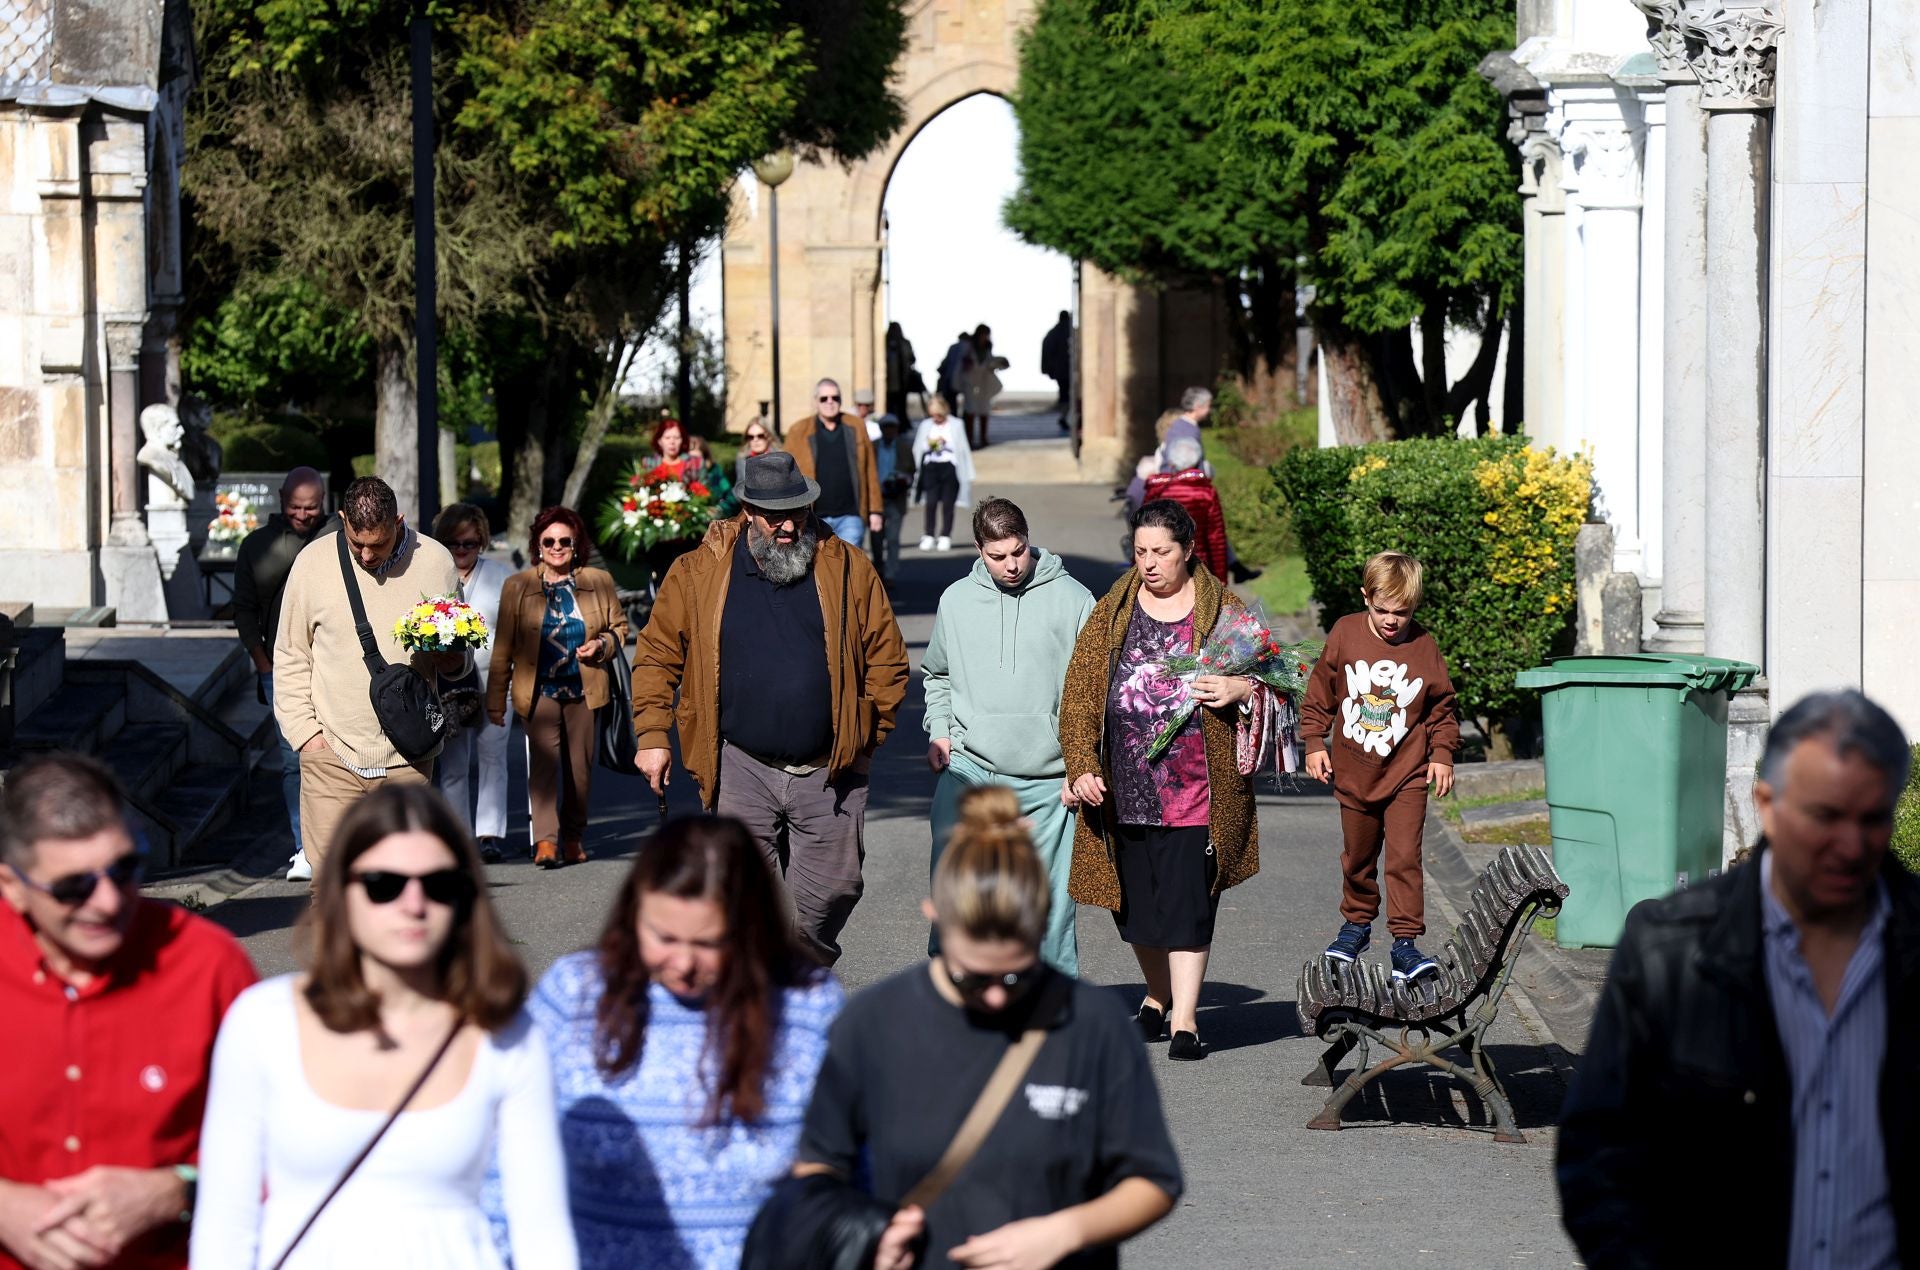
(789, 668)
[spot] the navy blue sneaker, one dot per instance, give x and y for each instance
(1409, 963)
(1350, 942)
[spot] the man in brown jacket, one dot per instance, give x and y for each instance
(789, 666)
(832, 449)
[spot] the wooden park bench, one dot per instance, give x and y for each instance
(1359, 1003)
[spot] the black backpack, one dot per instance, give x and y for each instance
(409, 710)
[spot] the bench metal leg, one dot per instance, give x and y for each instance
(1493, 1094)
(1323, 1071)
(1329, 1117)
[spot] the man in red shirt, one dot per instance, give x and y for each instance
(111, 1005)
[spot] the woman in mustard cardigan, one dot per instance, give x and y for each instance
(560, 624)
(1158, 839)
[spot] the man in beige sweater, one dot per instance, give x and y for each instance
(321, 686)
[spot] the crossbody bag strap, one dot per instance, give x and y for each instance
(369, 651)
(993, 1100)
(413, 1091)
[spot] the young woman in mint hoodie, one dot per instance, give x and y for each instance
(994, 668)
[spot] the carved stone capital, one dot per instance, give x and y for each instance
(1669, 41)
(1732, 52)
(124, 339)
(1531, 132)
(1606, 163)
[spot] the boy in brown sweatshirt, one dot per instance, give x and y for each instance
(1381, 690)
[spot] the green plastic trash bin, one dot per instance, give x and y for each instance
(1636, 779)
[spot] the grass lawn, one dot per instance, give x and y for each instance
(1283, 588)
(1256, 522)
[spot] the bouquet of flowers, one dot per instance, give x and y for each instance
(662, 502)
(441, 624)
(234, 518)
(1242, 643)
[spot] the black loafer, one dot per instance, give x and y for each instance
(1186, 1048)
(1153, 1023)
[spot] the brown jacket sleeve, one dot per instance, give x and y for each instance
(505, 633)
(1083, 698)
(660, 659)
(1323, 694)
(884, 653)
(870, 504)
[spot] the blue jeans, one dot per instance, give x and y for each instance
(289, 766)
(851, 530)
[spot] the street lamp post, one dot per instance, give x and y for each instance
(771, 172)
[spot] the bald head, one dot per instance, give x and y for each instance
(303, 499)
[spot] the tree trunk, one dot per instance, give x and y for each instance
(453, 480)
(1477, 383)
(599, 418)
(530, 461)
(1353, 393)
(1433, 366)
(396, 439)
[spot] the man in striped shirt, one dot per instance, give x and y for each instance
(1751, 1089)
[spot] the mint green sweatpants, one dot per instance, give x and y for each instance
(1052, 838)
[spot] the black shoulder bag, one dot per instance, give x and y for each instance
(619, 747)
(408, 708)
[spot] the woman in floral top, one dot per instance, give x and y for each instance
(1159, 838)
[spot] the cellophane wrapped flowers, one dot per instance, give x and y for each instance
(1242, 642)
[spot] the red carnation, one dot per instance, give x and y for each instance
(697, 489)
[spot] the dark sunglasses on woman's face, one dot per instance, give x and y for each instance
(973, 986)
(76, 889)
(449, 888)
(556, 542)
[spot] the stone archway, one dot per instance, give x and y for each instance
(1131, 344)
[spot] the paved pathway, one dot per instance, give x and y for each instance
(1430, 1188)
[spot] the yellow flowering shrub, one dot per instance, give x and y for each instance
(1493, 521)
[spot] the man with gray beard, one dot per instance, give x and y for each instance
(789, 668)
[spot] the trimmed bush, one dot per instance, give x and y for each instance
(269, 447)
(1906, 820)
(1256, 514)
(1493, 521)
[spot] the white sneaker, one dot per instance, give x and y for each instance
(298, 870)
(926, 544)
(944, 544)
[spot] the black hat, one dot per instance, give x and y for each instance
(887, 420)
(773, 482)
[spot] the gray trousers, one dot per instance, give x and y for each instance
(811, 830)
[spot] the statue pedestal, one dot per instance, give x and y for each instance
(133, 583)
(167, 528)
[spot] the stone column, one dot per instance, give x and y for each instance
(1602, 139)
(1544, 224)
(866, 281)
(1732, 53)
(125, 528)
(1682, 620)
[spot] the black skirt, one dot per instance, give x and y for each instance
(1166, 886)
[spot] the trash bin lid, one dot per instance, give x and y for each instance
(1674, 670)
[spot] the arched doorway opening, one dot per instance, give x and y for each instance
(949, 265)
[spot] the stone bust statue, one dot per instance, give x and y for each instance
(160, 425)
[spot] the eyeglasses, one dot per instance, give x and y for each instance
(830, 398)
(76, 889)
(778, 518)
(556, 542)
(974, 985)
(449, 888)
(465, 544)
(758, 436)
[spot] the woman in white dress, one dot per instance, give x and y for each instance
(982, 385)
(409, 973)
(463, 530)
(944, 461)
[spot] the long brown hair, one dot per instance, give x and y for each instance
(705, 858)
(480, 974)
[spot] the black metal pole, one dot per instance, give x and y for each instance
(425, 284)
(683, 374)
(773, 218)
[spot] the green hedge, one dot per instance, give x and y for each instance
(1257, 521)
(1906, 820)
(269, 447)
(1494, 523)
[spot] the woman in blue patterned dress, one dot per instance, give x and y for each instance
(685, 1048)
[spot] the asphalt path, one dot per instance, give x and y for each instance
(1414, 1178)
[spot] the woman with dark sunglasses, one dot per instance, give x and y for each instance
(411, 985)
(561, 622)
(1079, 1160)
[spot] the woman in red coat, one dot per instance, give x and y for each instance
(1189, 485)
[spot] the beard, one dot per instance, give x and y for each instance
(783, 563)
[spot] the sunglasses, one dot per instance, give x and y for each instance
(758, 436)
(465, 544)
(972, 985)
(449, 888)
(76, 889)
(829, 398)
(556, 542)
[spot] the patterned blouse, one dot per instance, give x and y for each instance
(651, 1187)
(562, 631)
(1172, 789)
